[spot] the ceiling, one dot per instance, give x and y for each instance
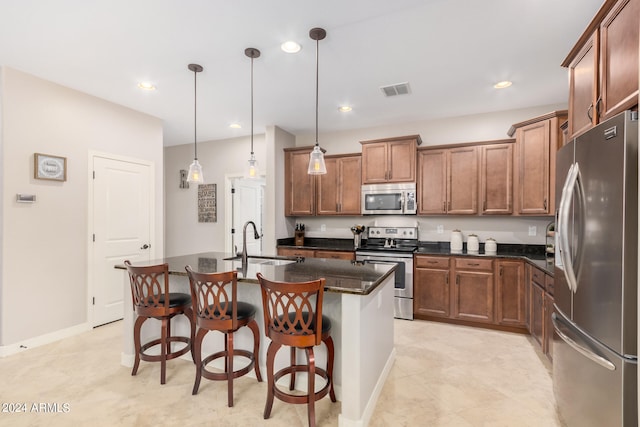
(451, 52)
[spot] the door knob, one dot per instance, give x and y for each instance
(145, 246)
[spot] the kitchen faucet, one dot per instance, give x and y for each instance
(244, 241)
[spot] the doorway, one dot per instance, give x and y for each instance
(121, 201)
(245, 202)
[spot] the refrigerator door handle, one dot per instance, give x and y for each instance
(581, 349)
(563, 225)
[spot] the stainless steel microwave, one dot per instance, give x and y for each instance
(389, 199)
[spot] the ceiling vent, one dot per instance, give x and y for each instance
(396, 89)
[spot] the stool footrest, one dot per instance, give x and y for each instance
(298, 398)
(172, 355)
(222, 376)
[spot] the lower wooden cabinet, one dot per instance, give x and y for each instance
(473, 290)
(470, 290)
(541, 297)
(537, 313)
(548, 326)
(510, 293)
(317, 253)
(431, 296)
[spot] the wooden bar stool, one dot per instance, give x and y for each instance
(292, 318)
(217, 308)
(152, 299)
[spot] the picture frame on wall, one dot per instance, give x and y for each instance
(52, 168)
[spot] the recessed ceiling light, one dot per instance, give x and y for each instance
(503, 84)
(290, 47)
(146, 86)
(235, 126)
(344, 108)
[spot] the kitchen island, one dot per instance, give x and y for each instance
(358, 299)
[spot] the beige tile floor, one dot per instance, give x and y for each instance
(444, 375)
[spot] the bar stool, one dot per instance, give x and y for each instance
(217, 310)
(152, 299)
(292, 318)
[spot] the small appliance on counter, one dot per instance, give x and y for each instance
(473, 245)
(491, 246)
(357, 231)
(299, 235)
(456, 241)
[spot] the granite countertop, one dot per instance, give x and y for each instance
(534, 254)
(341, 276)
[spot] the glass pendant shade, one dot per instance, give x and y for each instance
(316, 162)
(195, 172)
(252, 168)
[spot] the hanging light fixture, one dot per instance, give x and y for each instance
(252, 165)
(195, 170)
(316, 159)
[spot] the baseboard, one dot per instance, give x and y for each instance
(8, 350)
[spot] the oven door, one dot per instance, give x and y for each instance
(404, 272)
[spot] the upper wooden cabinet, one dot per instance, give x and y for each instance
(389, 160)
(448, 180)
(603, 66)
(299, 186)
(496, 178)
(338, 191)
(537, 141)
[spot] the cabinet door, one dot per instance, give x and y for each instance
(496, 172)
(328, 189)
(548, 326)
(432, 182)
(473, 296)
(402, 161)
(299, 189)
(462, 174)
(374, 163)
(537, 313)
(533, 168)
(510, 293)
(431, 292)
(350, 173)
(583, 84)
(619, 59)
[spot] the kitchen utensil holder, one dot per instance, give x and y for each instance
(299, 238)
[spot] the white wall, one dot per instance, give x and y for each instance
(183, 233)
(45, 244)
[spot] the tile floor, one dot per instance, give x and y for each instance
(444, 375)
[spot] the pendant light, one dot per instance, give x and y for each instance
(252, 165)
(316, 159)
(195, 170)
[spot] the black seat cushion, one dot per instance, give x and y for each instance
(326, 322)
(245, 310)
(177, 299)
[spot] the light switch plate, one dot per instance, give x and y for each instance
(532, 230)
(440, 229)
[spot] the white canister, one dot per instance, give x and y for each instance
(473, 245)
(490, 246)
(456, 241)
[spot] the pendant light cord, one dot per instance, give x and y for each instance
(252, 105)
(195, 115)
(317, 72)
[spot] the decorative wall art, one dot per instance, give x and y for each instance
(53, 168)
(207, 211)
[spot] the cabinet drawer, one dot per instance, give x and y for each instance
(548, 284)
(537, 276)
(432, 262)
(336, 255)
(306, 253)
(474, 264)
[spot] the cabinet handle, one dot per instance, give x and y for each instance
(449, 205)
(589, 112)
(598, 103)
(457, 279)
(474, 264)
(444, 206)
(446, 281)
(484, 206)
(545, 203)
(432, 262)
(500, 270)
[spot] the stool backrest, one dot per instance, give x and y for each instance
(149, 289)
(292, 311)
(214, 299)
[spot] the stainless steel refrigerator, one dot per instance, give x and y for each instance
(595, 312)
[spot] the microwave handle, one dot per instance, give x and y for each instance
(403, 202)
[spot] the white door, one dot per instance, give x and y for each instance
(247, 202)
(122, 222)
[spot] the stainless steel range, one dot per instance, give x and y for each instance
(394, 244)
